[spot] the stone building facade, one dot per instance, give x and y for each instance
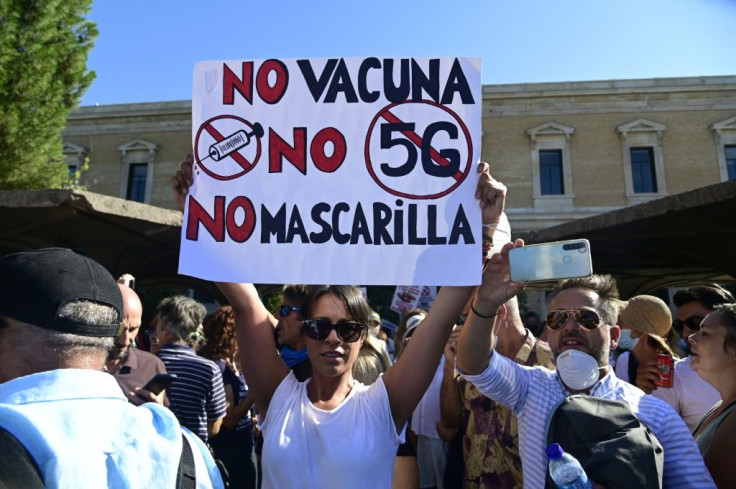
(565, 150)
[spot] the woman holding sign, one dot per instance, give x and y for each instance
(332, 431)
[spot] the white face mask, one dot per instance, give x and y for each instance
(626, 341)
(578, 370)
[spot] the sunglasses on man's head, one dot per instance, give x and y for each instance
(584, 317)
(286, 310)
(692, 322)
(319, 329)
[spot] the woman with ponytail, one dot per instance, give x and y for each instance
(196, 395)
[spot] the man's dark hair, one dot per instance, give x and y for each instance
(708, 295)
(603, 285)
(296, 293)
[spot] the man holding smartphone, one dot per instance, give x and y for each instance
(582, 329)
(132, 367)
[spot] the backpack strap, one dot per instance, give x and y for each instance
(186, 478)
(17, 469)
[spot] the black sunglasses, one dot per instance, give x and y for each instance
(319, 329)
(286, 310)
(693, 322)
(584, 317)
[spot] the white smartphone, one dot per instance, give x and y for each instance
(551, 261)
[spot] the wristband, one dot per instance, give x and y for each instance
(472, 308)
(495, 229)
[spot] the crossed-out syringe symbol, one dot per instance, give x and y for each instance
(234, 142)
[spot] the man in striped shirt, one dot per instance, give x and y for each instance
(582, 319)
(197, 395)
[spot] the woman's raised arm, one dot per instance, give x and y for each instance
(262, 366)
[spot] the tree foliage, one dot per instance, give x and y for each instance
(43, 73)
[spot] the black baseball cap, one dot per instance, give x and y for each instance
(34, 285)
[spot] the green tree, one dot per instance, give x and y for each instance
(43, 74)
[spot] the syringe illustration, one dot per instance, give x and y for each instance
(234, 142)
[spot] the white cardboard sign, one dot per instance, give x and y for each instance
(343, 171)
(409, 296)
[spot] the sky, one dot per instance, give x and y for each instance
(146, 50)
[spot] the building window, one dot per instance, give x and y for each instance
(643, 160)
(642, 170)
(137, 170)
(725, 136)
(550, 172)
(731, 162)
(137, 182)
(74, 156)
(551, 165)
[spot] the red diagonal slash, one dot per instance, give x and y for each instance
(239, 159)
(414, 138)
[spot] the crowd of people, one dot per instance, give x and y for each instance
(315, 395)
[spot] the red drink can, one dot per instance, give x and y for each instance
(666, 366)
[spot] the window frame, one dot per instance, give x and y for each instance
(545, 168)
(551, 136)
(724, 133)
(130, 184)
(650, 168)
(642, 133)
(74, 156)
(137, 152)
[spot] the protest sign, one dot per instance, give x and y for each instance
(409, 296)
(405, 297)
(349, 170)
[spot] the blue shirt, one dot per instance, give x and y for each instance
(197, 394)
(83, 433)
(532, 393)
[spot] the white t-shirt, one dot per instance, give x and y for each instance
(690, 395)
(352, 446)
(427, 413)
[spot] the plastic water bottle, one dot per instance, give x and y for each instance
(565, 469)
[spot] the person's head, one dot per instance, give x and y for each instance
(645, 316)
(531, 319)
(336, 320)
(374, 324)
(370, 363)
(179, 320)
(408, 324)
(132, 317)
(58, 309)
(714, 344)
(220, 333)
(582, 316)
(511, 314)
(533, 323)
(127, 280)
(290, 329)
(693, 304)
